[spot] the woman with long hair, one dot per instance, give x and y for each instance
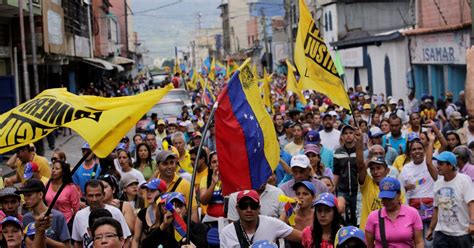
(68, 202)
(305, 194)
(144, 162)
(125, 164)
(111, 190)
(211, 191)
(148, 218)
(327, 221)
(453, 139)
(385, 126)
(319, 169)
(130, 193)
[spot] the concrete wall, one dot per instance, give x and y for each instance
(238, 16)
(453, 11)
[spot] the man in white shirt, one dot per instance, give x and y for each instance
(253, 227)
(453, 216)
(94, 191)
(329, 136)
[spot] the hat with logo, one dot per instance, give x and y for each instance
(348, 232)
(86, 146)
(389, 187)
(30, 169)
(300, 160)
(9, 191)
(264, 244)
(307, 184)
(32, 185)
(377, 160)
(252, 194)
(312, 137)
(155, 184)
(375, 132)
(413, 136)
(164, 155)
(447, 157)
(175, 196)
(30, 229)
(309, 148)
(11, 219)
(327, 199)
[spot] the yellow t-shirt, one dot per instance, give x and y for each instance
(200, 176)
(185, 162)
(183, 188)
(399, 162)
(370, 199)
(42, 163)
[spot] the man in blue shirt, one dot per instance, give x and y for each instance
(395, 138)
(90, 169)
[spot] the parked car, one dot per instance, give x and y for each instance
(158, 80)
(168, 110)
(178, 94)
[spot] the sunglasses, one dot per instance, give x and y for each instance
(246, 205)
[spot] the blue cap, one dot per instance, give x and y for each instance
(305, 184)
(312, 137)
(155, 184)
(30, 229)
(448, 157)
(86, 146)
(30, 169)
(389, 187)
(264, 244)
(327, 199)
(11, 219)
(121, 146)
(413, 136)
(175, 196)
(348, 232)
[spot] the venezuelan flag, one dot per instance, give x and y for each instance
(245, 136)
(289, 209)
(179, 225)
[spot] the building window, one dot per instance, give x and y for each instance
(326, 22)
(330, 21)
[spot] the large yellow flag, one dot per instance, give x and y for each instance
(177, 68)
(317, 69)
(292, 85)
(266, 90)
(212, 74)
(102, 122)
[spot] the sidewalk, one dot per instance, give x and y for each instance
(69, 144)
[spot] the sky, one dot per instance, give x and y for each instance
(163, 24)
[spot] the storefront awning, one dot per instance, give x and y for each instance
(122, 61)
(100, 63)
(374, 39)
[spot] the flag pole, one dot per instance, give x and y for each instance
(63, 185)
(193, 178)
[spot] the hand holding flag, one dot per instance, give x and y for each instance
(289, 208)
(180, 228)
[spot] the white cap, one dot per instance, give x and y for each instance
(333, 113)
(300, 160)
(393, 101)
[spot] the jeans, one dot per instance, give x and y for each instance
(442, 240)
(351, 208)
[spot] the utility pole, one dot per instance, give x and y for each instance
(193, 52)
(26, 83)
(33, 48)
(289, 13)
(125, 6)
(265, 40)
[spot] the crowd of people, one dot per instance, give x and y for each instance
(383, 174)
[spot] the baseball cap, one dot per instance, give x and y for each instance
(252, 194)
(175, 196)
(183, 124)
(164, 155)
(456, 115)
(377, 160)
(30, 229)
(32, 185)
(446, 156)
(86, 146)
(392, 101)
(161, 122)
(9, 191)
(375, 132)
(413, 136)
(305, 184)
(11, 219)
(389, 187)
(155, 184)
(366, 106)
(312, 148)
(348, 232)
(288, 124)
(449, 95)
(427, 100)
(327, 199)
(126, 180)
(264, 244)
(347, 127)
(197, 134)
(300, 160)
(30, 169)
(312, 137)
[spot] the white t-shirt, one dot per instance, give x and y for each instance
(419, 176)
(134, 173)
(452, 199)
(269, 203)
(81, 222)
(269, 229)
(330, 140)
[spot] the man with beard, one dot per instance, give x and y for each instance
(329, 136)
(395, 138)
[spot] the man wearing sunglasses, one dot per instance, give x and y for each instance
(253, 227)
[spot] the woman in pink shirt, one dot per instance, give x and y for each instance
(402, 224)
(68, 201)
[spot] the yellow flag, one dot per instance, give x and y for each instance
(102, 122)
(212, 75)
(317, 69)
(292, 85)
(266, 90)
(177, 68)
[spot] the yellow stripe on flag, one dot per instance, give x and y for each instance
(292, 85)
(313, 60)
(102, 122)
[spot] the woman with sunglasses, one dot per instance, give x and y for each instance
(147, 217)
(211, 192)
(68, 202)
(395, 225)
(327, 221)
(144, 162)
(111, 190)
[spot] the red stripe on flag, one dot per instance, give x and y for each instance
(231, 148)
